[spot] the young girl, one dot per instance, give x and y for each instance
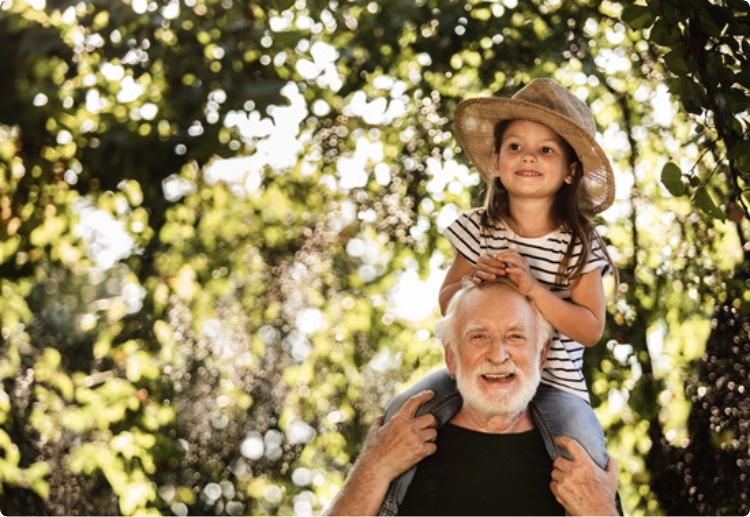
(546, 175)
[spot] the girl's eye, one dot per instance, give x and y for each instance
(514, 147)
(547, 150)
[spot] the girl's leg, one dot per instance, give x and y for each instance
(569, 415)
(444, 405)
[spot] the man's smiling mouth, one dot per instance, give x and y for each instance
(500, 377)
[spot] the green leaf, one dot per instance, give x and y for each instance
(722, 106)
(282, 5)
(671, 177)
(691, 95)
(743, 76)
(738, 151)
(674, 14)
(664, 34)
(637, 17)
(706, 204)
(710, 25)
(676, 63)
(745, 46)
(743, 163)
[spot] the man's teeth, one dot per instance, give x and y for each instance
(497, 377)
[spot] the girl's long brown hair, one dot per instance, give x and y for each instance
(565, 213)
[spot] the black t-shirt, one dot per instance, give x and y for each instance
(475, 473)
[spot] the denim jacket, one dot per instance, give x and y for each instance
(444, 407)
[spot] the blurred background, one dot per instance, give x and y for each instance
(220, 238)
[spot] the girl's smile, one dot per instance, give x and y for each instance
(529, 173)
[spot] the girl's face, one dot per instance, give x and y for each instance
(532, 161)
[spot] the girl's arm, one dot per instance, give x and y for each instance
(452, 282)
(487, 268)
(581, 318)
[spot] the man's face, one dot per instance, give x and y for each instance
(497, 363)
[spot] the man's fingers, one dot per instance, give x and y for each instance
(377, 422)
(430, 434)
(613, 472)
(425, 421)
(412, 405)
(574, 448)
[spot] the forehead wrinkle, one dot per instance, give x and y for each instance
(519, 327)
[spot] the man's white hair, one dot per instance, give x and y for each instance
(445, 328)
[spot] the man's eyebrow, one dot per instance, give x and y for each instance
(473, 327)
(482, 327)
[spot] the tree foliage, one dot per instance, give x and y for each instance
(708, 64)
(212, 212)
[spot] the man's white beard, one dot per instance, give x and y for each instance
(500, 402)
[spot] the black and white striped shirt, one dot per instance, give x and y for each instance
(544, 254)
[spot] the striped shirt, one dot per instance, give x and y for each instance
(563, 369)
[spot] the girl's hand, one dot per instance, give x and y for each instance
(518, 271)
(487, 268)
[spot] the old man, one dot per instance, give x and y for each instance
(485, 449)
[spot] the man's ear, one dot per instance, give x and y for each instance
(450, 360)
(543, 354)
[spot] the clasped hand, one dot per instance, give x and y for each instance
(509, 264)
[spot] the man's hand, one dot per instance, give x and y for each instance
(402, 442)
(389, 451)
(580, 485)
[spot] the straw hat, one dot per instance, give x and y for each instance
(546, 102)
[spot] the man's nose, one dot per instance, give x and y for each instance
(498, 352)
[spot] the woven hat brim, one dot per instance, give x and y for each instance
(475, 121)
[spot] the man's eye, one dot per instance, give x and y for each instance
(517, 337)
(478, 336)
